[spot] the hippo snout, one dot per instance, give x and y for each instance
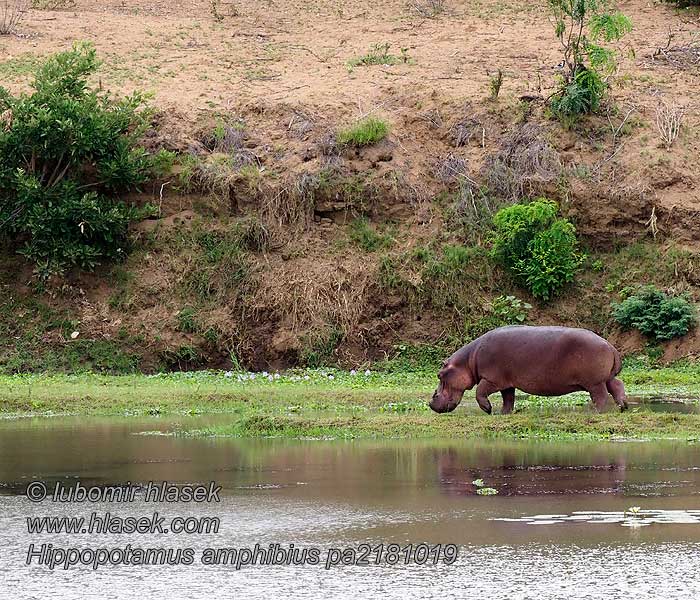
(440, 405)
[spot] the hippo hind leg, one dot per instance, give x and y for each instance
(508, 396)
(617, 389)
(599, 396)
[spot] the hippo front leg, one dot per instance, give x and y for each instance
(482, 394)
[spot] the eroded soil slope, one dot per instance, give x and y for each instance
(306, 281)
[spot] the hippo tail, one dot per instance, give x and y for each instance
(617, 362)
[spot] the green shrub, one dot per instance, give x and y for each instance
(365, 132)
(509, 310)
(182, 358)
(579, 96)
(582, 26)
(537, 248)
(66, 152)
(656, 314)
(503, 310)
(379, 55)
(414, 357)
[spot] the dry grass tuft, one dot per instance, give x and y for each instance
(682, 56)
(432, 117)
(328, 147)
(293, 205)
(524, 161)
(669, 120)
(451, 168)
(428, 8)
(316, 295)
(466, 130)
(300, 125)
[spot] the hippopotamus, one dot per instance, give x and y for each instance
(546, 361)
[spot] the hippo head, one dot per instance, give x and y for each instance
(454, 380)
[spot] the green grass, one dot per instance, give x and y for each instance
(329, 403)
(20, 66)
(365, 132)
(25, 326)
(366, 237)
(219, 263)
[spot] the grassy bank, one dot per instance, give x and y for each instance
(327, 403)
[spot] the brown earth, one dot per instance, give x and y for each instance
(280, 69)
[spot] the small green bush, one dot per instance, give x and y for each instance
(503, 310)
(365, 132)
(580, 96)
(414, 357)
(66, 152)
(656, 314)
(218, 264)
(187, 320)
(583, 27)
(379, 55)
(510, 310)
(537, 248)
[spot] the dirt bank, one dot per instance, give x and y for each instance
(265, 261)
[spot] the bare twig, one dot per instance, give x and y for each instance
(11, 13)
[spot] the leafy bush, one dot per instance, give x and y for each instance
(414, 357)
(501, 311)
(537, 248)
(365, 132)
(66, 152)
(510, 310)
(656, 314)
(218, 264)
(581, 26)
(319, 347)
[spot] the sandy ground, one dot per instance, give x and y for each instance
(297, 52)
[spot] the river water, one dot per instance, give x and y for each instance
(559, 527)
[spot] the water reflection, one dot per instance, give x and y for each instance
(634, 517)
(559, 521)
